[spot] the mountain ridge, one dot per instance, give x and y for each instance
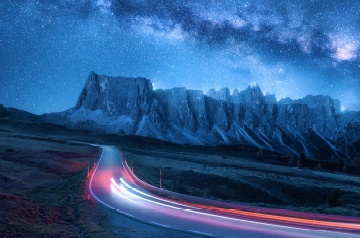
(122, 105)
(312, 125)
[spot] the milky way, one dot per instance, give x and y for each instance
(290, 48)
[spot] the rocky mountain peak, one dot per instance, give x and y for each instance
(250, 96)
(222, 94)
(115, 95)
(320, 101)
(270, 98)
(123, 105)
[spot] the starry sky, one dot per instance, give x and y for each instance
(290, 48)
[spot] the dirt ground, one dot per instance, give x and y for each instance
(43, 188)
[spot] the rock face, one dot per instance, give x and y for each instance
(312, 125)
(116, 95)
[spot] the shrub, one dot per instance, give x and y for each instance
(356, 162)
(301, 160)
(260, 154)
(299, 163)
(292, 161)
(333, 198)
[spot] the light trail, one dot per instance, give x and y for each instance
(131, 197)
(128, 191)
(186, 210)
(268, 217)
(157, 198)
(231, 211)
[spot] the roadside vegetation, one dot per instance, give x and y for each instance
(43, 192)
(247, 175)
(43, 177)
(43, 186)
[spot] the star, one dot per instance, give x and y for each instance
(290, 49)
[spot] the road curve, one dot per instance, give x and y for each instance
(112, 184)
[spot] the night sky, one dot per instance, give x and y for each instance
(290, 48)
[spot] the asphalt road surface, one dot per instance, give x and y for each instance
(113, 185)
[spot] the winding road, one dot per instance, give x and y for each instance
(113, 184)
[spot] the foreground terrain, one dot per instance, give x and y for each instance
(134, 198)
(43, 188)
(242, 179)
(43, 181)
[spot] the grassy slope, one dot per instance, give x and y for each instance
(42, 181)
(245, 180)
(43, 186)
(43, 190)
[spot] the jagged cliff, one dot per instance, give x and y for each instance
(312, 125)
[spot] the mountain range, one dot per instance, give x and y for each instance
(313, 125)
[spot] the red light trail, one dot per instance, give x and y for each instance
(114, 184)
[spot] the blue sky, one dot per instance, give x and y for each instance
(290, 48)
